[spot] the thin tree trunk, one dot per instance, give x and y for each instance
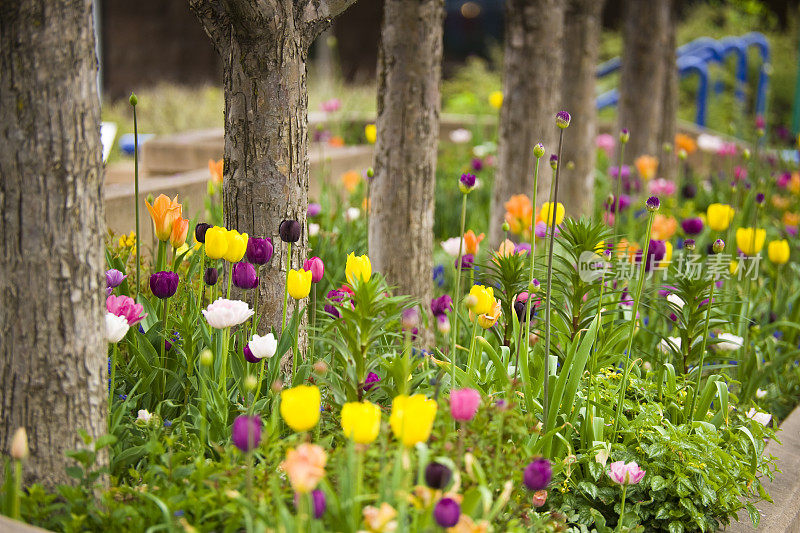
(53, 356)
(642, 78)
(581, 39)
(409, 72)
(532, 66)
(264, 46)
(668, 163)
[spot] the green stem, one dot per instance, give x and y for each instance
(161, 257)
(457, 295)
(619, 194)
(230, 279)
(223, 370)
(553, 211)
(470, 362)
(624, 384)
(136, 195)
(14, 511)
(256, 298)
(112, 387)
(313, 321)
(163, 348)
(295, 350)
(286, 286)
(622, 507)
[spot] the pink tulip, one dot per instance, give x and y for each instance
(464, 404)
(316, 267)
(662, 187)
(125, 306)
(625, 474)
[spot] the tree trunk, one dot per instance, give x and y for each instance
(642, 78)
(532, 66)
(264, 46)
(53, 367)
(581, 40)
(668, 163)
(401, 220)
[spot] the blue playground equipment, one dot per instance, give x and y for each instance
(695, 57)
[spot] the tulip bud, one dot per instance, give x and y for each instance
(570, 165)
(276, 386)
(470, 301)
(410, 319)
(538, 150)
(506, 226)
(554, 161)
(133, 100)
(667, 148)
(624, 135)
(321, 367)
(719, 246)
(206, 357)
(200, 231)
(689, 244)
(19, 445)
(289, 231)
(437, 475)
(746, 154)
(250, 383)
(533, 286)
(211, 276)
(682, 154)
(370, 173)
(164, 284)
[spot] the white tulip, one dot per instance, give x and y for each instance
(460, 136)
(760, 393)
(451, 246)
(224, 313)
(709, 143)
(263, 346)
(313, 229)
(352, 214)
(760, 417)
(116, 327)
(144, 416)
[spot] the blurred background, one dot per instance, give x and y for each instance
(159, 50)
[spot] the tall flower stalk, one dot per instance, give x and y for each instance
(562, 121)
(653, 203)
(133, 101)
(624, 136)
(538, 152)
(466, 184)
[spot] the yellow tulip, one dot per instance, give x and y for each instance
(300, 407)
(664, 263)
(778, 252)
(546, 214)
(719, 216)
(237, 246)
(412, 418)
(496, 99)
(750, 240)
(484, 299)
(216, 242)
(361, 421)
(371, 133)
(357, 268)
(299, 283)
(734, 266)
(488, 320)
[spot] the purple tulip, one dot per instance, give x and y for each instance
(467, 262)
(248, 355)
(244, 276)
(200, 231)
(211, 276)
(372, 379)
(164, 284)
(441, 305)
(318, 502)
(313, 210)
(114, 278)
(437, 476)
(259, 251)
(692, 226)
(477, 164)
(447, 512)
(290, 230)
(537, 474)
(246, 432)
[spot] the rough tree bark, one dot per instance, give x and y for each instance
(52, 348)
(642, 78)
(409, 72)
(264, 47)
(581, 38)
(532, 66)
(668, 164)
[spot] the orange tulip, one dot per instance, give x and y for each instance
(683, 141)
(664, 227)
(646, 166)
(519, 213)
(351, 179)
(164, 213)
(472, 242)
(215, 167)
(179, 230)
